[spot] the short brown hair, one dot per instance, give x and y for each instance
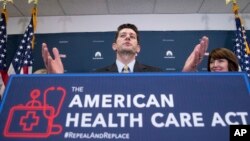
(130, 26)
(224, 53)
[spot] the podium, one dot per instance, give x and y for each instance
(133, 107)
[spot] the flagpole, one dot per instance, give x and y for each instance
(34, 18)
(34, 12)
(5, 2)
(235, 9)
(4, 10)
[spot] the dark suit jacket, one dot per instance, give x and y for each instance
(137, 68)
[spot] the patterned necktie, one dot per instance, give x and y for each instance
(125, 69)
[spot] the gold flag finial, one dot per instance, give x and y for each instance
(34, 1)
(228, 1)
(235, 7)
(5, 3)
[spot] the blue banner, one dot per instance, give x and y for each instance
(92, 50)
(133, 107)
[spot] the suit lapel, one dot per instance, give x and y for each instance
(139, 67)
(112, 68)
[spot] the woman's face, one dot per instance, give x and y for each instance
(218, 65)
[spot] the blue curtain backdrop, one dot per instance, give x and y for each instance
(84, 52)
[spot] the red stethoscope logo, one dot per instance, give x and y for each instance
(35, 119)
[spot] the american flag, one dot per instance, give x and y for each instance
(3, 44)
(241, 45)
(3, 52)
(23, 59)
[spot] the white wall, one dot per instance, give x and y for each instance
(162, 22)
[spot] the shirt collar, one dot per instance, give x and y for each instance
(120, 65)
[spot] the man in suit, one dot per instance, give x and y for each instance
(126, 46)
(138, 67)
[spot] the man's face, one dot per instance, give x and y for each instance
(126, 42)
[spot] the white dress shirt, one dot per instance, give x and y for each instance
(120, 66)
